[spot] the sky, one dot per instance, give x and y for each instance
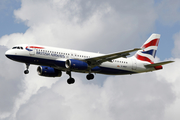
(103, 26)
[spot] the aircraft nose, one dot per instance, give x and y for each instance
(8, 54)
(11, 54)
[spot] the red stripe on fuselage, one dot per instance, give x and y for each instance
(35, 47)
(154, 42)
(142, 58)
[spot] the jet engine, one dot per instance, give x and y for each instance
(48, 71)
(76, 64)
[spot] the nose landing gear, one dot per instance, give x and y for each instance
(26, 72)
(27, 67)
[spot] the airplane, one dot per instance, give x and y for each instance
(52, 61)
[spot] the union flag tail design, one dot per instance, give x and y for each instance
(149, 49)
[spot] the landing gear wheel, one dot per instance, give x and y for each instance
(70, 81)
(90, 76)
(27, 67)
(26, 71)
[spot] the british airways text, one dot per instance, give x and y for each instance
(49, 54)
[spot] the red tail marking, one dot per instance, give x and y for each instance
(142, 58)
(154, 42)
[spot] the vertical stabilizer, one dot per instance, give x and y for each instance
(149, 49)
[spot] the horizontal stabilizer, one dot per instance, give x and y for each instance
(158, 64)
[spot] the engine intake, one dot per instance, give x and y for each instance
(76, 64)
(48, 71)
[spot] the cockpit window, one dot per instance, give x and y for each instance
(18, 48)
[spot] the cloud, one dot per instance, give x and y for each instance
(120, 97)
(48, 102)
(11, 83)
(171, 75)
(79, 24)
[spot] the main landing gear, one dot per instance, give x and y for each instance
(90, 76)
(72, 80)
(27, 67)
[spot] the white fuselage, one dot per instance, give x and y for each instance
(56, 58)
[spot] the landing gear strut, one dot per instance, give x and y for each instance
(27, 67)
(70, 80)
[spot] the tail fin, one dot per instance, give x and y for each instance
(149, 49)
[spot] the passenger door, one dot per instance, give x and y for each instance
(32, 51)
(134, 64)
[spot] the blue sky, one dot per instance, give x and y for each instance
(8, 22)
(166, 43)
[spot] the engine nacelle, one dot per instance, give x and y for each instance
(76, 64)
(48, 71)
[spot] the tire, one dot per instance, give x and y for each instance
(26, 71)
(90, 76)
(71, 81)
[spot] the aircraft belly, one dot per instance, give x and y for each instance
(116, 69)
(38, 61)
(112, 71)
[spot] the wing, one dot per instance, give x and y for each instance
(109, 57)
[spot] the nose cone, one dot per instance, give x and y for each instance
(8, 54)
